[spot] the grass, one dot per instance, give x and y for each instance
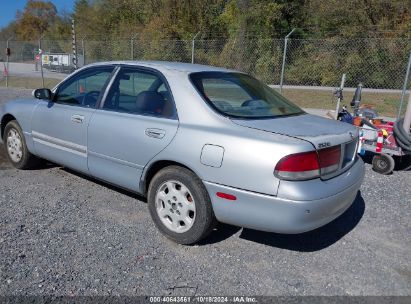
(386, 104)
(29, 82)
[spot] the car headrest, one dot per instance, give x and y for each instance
(223, 105)
(150, 102)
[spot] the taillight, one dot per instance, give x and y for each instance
(298, 166)
(308, 165)
(329, 159)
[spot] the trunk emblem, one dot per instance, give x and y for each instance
(324, 145)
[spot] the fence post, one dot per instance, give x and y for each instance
(41, 60)
(83, 48)
(7, 64)
(284, 56)
(193, 47)
(132, 45)
(337, 108)
(404, 88)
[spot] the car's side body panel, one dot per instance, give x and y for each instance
(261, 150)
(60, 134)
(120, 145)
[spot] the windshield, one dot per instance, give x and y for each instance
(242, 96)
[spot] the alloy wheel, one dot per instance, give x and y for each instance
(14, 145)
(175, 206)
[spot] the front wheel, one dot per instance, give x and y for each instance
(16, 148)
(180, 205)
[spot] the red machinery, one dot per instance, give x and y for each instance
(389, 141)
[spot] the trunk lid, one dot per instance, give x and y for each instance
(320, 132)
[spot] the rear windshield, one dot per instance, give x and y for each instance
(242, 96)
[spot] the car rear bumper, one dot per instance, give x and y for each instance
(282, 215)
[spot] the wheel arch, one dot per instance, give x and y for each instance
(4, 121)
(154, 168)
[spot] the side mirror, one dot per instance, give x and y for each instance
(42, 94)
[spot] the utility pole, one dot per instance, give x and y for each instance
(340, 96)
(193, 47)
(83, 49)
(284, 56)
(74, 43)
(132, 45)
(41, 60)
(8, 53)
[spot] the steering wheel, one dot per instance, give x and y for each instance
(90, 98)
(257, 103)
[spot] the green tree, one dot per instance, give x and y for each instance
(35, 19)
(358, 18)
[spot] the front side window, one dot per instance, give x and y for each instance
(242, 96)
(84, 88)
(139, 92)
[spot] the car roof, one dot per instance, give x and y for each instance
(163, 66)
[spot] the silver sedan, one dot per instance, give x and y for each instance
(203, 144)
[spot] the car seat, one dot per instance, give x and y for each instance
(150, 102)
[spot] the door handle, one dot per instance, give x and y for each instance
(77, 118)
(156, 133)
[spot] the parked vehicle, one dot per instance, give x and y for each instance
(60, 62)
(384, 139)
(204, 144)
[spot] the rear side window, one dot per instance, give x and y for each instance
(242, 96)
(139, 92)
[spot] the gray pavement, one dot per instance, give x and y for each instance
(28, 70)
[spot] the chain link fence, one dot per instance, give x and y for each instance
(377, 63)
(312, 67)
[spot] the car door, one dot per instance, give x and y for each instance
(136, 120)
(59, 127)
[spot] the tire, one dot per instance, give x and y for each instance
(180, 205)
(383, 163)
(16, 148)
(402, 137)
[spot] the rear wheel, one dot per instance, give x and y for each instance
(383, 163)
(180, 205)
(16, 148)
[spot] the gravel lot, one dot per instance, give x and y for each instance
(62, 233)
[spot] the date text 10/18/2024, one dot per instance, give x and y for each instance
(203, 299)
